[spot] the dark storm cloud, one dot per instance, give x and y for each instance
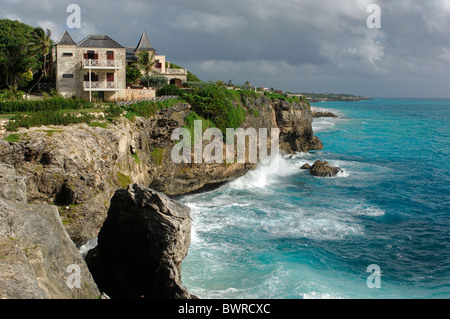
(296, 45)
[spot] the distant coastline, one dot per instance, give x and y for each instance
(332, 97)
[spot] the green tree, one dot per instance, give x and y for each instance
(154, 81)
(132, 74)
(146, 62)
(219, 83)
(215, 104)
(192, 78)
(16, 57)
(169, 89)
(25, 79)
(40, 45)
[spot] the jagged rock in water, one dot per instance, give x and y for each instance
(317, 114)
(141, 245)
(305, 166)
(323, 169)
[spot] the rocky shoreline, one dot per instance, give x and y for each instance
(317, 114)
(76, 175)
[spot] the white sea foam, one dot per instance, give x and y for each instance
(325, 109)
(324, 123)
(326, 227)
(228, 293)
(318, 295)
(344, 173)
(88, 246)
(242, 211)
(264, 175)
(211, 225)
(302, 155)
(321, 124)
(373, 211)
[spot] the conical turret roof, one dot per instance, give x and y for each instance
(144, 43)
(66, 39)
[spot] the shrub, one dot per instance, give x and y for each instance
(53, 93)
(215, 104)
(248, 94)
(154, 81)
(173, 66)
(12, 138)
(45, 118)
(254, 112)
(124, 180)
(114, 111)
(189, 124)
(158, 155)
(170, 89)
(275, 96)
(10, 94)
(192, 116)
(148, 108)
(192, 78)
(196, 84)
(130, 115)
(49, 104)
(295, 99)
(144, 109)
(98, 124)
(25, 79)
(135, 157)
(133, 74)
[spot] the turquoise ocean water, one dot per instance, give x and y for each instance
(278, 232)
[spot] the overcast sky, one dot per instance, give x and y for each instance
(293, 45)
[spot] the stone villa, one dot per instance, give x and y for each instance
(97, 65)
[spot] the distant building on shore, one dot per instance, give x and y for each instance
(294, 94)
(97, 65)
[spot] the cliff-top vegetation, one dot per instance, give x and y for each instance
(219, 106)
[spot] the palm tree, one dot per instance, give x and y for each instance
(146, 61)
(41, 43)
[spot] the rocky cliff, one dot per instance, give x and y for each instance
(70, 174)
(79, 167)
(37, 257)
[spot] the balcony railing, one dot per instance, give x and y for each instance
(96, 63)
(99, 86)
(46, 86)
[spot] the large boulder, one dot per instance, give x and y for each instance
(323, 169)
(141, 245)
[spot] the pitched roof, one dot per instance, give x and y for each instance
(144, 43)
(66, 39)
(130, 54)
(99, 41)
